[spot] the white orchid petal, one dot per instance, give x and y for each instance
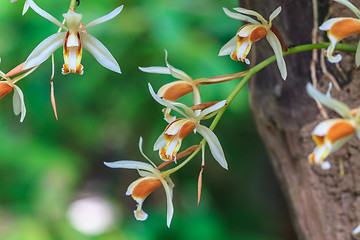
(229, 47)
(251, 13)
(274, 14)
(213, 108)
(100, 52)
(214, 144)
(276, 46)
(164, 102)
(44, 50)
(334, 104)
(18, 103)
(128, 164)
(103, 19)
(160, 142)
(161, 70)
(239, 16)
(176, 73)
(169, 204)
(46, 15)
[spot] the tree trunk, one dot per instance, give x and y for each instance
(324, 204)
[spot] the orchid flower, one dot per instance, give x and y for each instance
(7, 85)
(175, 90)
(26, 5)
(239, 46)
(340, 28)
(73, 40)
(332, 134)
(169, 141)
(150, 179)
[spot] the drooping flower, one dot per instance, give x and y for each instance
(239, 46)
(170, 140)
(340, 28)
(7, 85)
(175, 90)
(150, 180)
(72, 40)
(332, 134)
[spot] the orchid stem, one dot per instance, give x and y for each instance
(252, 72)
(72, 5)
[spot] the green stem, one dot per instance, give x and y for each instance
(252, 72)
(266, 62)
(72, 5)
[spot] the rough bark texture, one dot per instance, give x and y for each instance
(324, 205)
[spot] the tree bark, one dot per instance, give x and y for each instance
(324, 204)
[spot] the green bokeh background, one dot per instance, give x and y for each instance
(46, 164)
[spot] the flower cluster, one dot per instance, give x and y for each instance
(329, 135)
(169, 142)
(332, 134)
(340, 28)
(239, 46)
(73, 37)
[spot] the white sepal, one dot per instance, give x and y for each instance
(239, 16)
(44, 50)
(18, 103)
(251, 13)
(128, 164)
(26, 6)
(176, 73)
(214, 144)
(142, 152)
(46, 15)
(229, 47)
(276, 46)
(103, 19)
(274, 14)
(211, 109)
(169, 195)
(351, 6)
(100, 52)
(160, 142)
(164, 102)
(161, 70)
(331, 103)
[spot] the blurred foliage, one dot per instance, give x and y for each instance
(46, 164)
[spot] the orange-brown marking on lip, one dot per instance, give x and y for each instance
(258, 33)
(312, 158)
(344, 28)
(339, 130)
(176, 91)
(319, 140)
(5, 89)
(240, 41)
(204, 105)
(186, 128)
(145, 187)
